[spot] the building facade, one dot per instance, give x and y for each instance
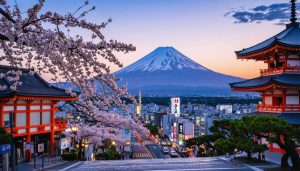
(279, 84)
(33, 107)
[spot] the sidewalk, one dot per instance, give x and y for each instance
(48, 163)
(30, 166)
(253, 164)
(275, 157)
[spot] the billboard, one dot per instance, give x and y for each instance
(175, 106)
(180, 130)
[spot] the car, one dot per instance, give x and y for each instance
(173, 153)
(165, 150)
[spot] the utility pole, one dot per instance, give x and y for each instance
(12, 144)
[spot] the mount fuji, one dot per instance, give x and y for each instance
(167, 72)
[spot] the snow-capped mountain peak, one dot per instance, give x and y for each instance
(163, 59)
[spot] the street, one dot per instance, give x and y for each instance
(141, 152)
(156, 151)
(170, 164)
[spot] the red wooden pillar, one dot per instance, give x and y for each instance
(1, 115)
(263, 98)
(299, 100)
(3, 102)
(52, 140)
(15, 113)
(28, 137)
(284, 100)
(285, 62)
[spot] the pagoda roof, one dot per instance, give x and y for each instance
(291, 118)
(292, 80)
(32, 85)
(289, 37)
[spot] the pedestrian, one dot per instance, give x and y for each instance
(259, 156)
(263, 157)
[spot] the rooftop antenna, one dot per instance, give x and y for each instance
(293, 12)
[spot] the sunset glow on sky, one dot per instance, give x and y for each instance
(197, 28)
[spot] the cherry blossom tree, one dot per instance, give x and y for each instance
(49, 43)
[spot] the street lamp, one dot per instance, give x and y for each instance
(74, 130)
(113, 143)
(127, 143)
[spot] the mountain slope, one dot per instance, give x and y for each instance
(163, 59)
(166, 70)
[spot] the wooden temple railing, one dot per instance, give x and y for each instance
(272, 108)
(59, 125)
(279, 70)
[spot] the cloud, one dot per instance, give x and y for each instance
(279, 13)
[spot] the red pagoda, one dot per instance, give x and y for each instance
(279, 85)
(33, 105)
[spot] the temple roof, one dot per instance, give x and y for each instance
(32, 85)
(281, 79)
(289, 37)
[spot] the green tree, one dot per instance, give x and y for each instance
(225, 146)
(280, 132)
(153, 130)
(208, 142)
(244, 135)
(229, 136)
(4, 137)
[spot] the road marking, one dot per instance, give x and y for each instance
(142, 155)
(71, 166)
(249, 166)
(253, 168)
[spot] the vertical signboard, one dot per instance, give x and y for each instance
(180, 128)
(175, 106)
(174, 132)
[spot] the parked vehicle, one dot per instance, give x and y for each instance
(173, 153)
(165, 150)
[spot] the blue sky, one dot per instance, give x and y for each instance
(197, 28)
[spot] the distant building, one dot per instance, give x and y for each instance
(224, 109)
(156, 119)
(183, 129)
(167, 123)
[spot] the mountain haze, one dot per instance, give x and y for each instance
(166, 71)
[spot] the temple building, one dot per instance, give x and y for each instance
(279, 84)
(33, 106)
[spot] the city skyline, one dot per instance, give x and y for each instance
(202, 30)
(63, 106)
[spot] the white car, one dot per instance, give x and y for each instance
(166, 150)
(173, 153)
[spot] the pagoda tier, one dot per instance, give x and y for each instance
(281, 52)
(33, 105)
(287, 40)
(280, 93)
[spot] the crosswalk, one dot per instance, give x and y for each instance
(146, 155)
(180, 164)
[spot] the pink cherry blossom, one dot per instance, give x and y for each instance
(58, 50)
